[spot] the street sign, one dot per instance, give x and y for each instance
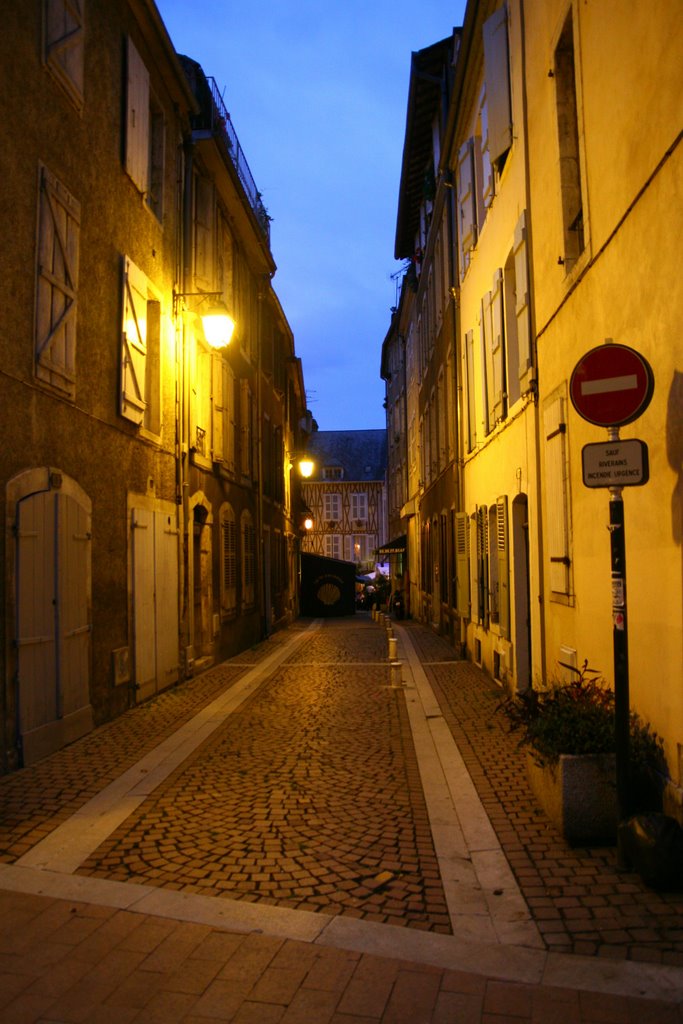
(611, 385)
(615, 464)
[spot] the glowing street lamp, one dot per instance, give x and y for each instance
(303, 463)
(217, 323)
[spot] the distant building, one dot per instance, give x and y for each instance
(346, 495)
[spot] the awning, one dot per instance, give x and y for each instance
(394, 547)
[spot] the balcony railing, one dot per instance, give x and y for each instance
(222, 126)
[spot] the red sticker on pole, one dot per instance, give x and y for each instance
(611, 385)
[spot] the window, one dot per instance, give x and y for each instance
(200, 404)
(203, 232)
(223, 412)
(63, 45)
(358, 547)
(140, 397)
(228, 561)
(246, 430)
(248, 561)
(333, 473)
(332, 542)
(359, 507)
(331, 508)
(59, 216)
(155, 189)
(568, 137)
(557, 493)
(443, 421)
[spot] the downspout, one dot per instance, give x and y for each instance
(457, 388)
(264, 584)
(183, 497)
(537, 418)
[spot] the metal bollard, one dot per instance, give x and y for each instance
(396, 675)
(393, 653)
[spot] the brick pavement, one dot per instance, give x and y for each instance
(66, 962)
(62, 960)
(580, 900)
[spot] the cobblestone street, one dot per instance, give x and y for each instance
(293, 830)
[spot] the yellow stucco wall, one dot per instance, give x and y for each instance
(626, 286)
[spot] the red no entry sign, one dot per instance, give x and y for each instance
(611, 385)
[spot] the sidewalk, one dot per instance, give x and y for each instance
(295, 837)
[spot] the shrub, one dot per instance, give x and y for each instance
(578, 718)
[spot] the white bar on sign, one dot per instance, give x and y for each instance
(600, 387)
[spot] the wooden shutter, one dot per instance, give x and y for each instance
(522, 303)
(497, 73)
(204, 209)
(471, 401)
(497, 397)
(487, 362)
(462, 564)
(482, 563)
(217, 408)
(229, 425)
(556, 494)
(487, 179)
(53, 607)
(245, 419)
(229, 561)
(133, 344)
(166, 598)
(137, 119)
(57, 285)
(143, 601)
(503, 556)
(64, 45)
(152, 418)
(467, 208)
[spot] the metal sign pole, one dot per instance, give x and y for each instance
(620, 643)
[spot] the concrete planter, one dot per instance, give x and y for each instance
(579, 795)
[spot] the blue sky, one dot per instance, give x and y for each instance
(317, 93)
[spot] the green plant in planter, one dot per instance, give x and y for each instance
(578, 718)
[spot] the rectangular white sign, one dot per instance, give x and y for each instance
(615, 464)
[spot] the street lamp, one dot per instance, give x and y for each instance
(304, 464)
(217, 323)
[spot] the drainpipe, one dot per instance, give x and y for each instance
(537, 418)
(183, 497)
(261, 569)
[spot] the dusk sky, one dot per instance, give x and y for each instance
(317, 92)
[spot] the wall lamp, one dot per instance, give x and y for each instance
(218, 325)
(304, 464)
